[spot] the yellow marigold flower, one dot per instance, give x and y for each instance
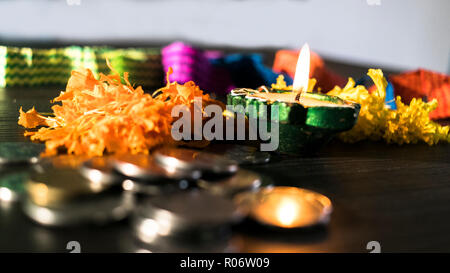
(281, 84)
(408, 124)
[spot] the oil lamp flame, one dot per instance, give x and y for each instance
(287, 212)
(301, 78)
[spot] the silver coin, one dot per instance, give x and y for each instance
(99, 170)
(64, 161)
(150, 189)
(198, 241)
(20, 153)
(161, 244)
(286, 207)
(99, 210)
(188, 159)
(243, 180)
(182, 213)
(193, 208)
(247, 155)
(144, 167)
(51, 187)
(63, 177)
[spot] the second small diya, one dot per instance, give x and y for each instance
(306, 121)
(286, 207)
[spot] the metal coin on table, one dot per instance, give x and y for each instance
(201, 241)
(148, 188)
(98, 210)
(188, 159)
(183, 213)
(286, 207)
(247, 155)
(149, 178)
(99, 170)
(65, 161)
(20, 153)
(50, 186)
(190, 209)
(144, 167)
(243, 180)
(59, 196)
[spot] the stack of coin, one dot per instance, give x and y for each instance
(61, 195)
(100, 172)
(243, 154)
(243, 180)
(188, 220)
(145, 176)
(181, 200)
(208, 164)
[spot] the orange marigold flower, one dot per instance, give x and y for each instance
(96, 116)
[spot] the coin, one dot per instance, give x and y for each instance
(241, 181)
(144, 167)
(51, 186)
(100, 171)
(20, 153)
(62, 161)
(246, 155)
(286, 207)
(196, 241)
(182, 213)
(150, 188)
(99, 210)
(191, 208)
(188, 159)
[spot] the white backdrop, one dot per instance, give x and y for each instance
(401, 34)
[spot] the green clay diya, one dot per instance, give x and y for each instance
(307, 121)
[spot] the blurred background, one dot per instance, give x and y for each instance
(397, 35)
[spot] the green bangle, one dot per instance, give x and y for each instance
(32, 67)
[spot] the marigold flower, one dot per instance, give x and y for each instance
(408, 124)
(105, 116)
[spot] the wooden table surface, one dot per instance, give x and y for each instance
(396, 195)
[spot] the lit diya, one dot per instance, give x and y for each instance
(286, 207)
(306, 120)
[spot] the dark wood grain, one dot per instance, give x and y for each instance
(397, 195)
